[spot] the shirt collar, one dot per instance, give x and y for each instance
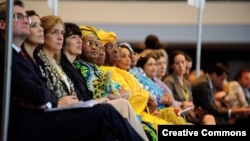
(209, 82)
(18, 49)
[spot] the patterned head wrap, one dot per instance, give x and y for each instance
(88, 30)
(106, 37)
(128, 46)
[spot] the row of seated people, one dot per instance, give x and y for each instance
(46, 56)
(235, 94)
(112, 73)
(38, 84)
(44, 53)
(107, 80)
(65, 56)
(182, 83)
(206, 92)
(184, 88)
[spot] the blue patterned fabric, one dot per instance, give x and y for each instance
(148, 85)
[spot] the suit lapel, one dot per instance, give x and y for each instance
(178, 88)
(74, 73)
(27, 65)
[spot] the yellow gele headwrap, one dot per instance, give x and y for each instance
(88, 30)
(106, 37)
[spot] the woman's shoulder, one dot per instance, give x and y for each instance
(169, 79)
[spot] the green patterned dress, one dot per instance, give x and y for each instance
(98, 81)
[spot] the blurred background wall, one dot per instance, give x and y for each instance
(225, 29)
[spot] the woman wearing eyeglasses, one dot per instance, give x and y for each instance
(97, 80)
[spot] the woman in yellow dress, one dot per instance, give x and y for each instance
(138, 97)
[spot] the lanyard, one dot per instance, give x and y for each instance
(185, 94)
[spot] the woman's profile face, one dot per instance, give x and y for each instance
(90, 49)
(36, 31)
(54, 38)
(124, 60)
(150, 68)
(112, 53)
(161, 65)
(73, 45)
(101, 54)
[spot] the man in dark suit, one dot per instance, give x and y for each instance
(30, 96)
(243, 77)
(204, 88)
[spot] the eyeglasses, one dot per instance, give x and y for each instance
(20, 16)
(112, 46)
(90, 43)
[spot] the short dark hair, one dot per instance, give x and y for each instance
(71, 29)
(143, 59)
(3, 8)
(218, 68)
(239, 73)
(152, 42)
(127, 46)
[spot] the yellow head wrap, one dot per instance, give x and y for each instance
(88, 30)
(106, 37)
